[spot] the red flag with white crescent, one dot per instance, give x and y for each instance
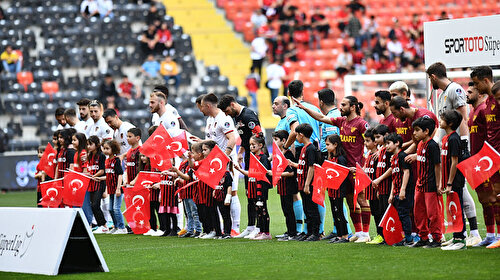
(279, 163)
(48, 161)
(481, 166)
(180, 143)
(75, 186)
(159, 149)
(391, 225)
(362, 181)
(52, 193)
(453, 213)
(318, 191)
(146, 179)
(137, 213)
(256, 169)
(213, 167)
(441, 212)
(335, 174)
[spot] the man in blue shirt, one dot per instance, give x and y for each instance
(327, 106)
(280, 106)
(150, 68)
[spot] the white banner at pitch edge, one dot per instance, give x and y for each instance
(463, 42)
(47, 241)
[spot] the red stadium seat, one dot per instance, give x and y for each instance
(50, 87)
(25, 78)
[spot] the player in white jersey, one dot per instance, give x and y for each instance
(73, 121)
(453, 98)
(220, 128)
(120, 130)
(100, 128)
(83, 108)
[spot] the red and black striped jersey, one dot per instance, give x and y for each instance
(189, 192)
(113, 171)
(65, 157)
(132, 163)
(254, 188)
(204, 194)
(288, 185)
(428, 156)
(96, 162)
(154, 193)
(308, 157)
(338, 193)
(450, 147)
(167, 191)
(369, 168)
(383, 164)
(225, 183)
(398, 165)
(79, 165)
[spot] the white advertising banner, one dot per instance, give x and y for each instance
(47, 241)
(464, 42)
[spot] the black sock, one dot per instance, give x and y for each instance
(472, 223)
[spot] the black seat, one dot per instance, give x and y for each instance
(213, 71)
(29, 120)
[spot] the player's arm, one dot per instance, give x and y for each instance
(56, 173)
(241, 170)
(382, 177)
(463, 128)
(391, 194)
(181, 175)
(310, 175)
(182, 124)
(407, 145)
(120, 182)
(316, 115)
(231, 142)
(437, 171)
(241, 151)
(292, 136)
(404, 184)
(453, 173)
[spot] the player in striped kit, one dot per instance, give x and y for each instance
(371, 193)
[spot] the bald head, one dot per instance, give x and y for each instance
(280, 105)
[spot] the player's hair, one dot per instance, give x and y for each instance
(135, 131)
(199, 99)
(399, 102)
(114, 145)
(82, 144)
(59, 111)
(197, 147)
(471, 84)
(66, 134)
(452, 117)
(295, 88)
(56, 135)
(143, 166)
(209, 143)
(438, 69)
(109, 113)
(305, 129)
(381, 129)
(335, 139)
(482, 72)
(94, 140)
(152, 129)
(384, 95)
(495, 88)
(70, 113)
(83, 102)
(286, 101)
(95, 103)
(225, 101)
(162, 89)
(327, 96)
(210, 98)
(400, 87)
(41, 148)
(353, 101)
(370, 133)
(424, 123)
(260, 140)
(158, 94)
(280, 134)
(394, 138)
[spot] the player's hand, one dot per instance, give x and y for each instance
(391, 198)
(297, 103)
(118, 192)
(194, 138)
(448, 189)
(402, 195)
(307, 189)
(375, 183)
(240, 158)
(352, 170)
(269, 173)
(411, 158)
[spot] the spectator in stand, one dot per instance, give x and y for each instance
(107, 91)
(153, 16)
(394, 47)
(258, 52)
(252, 82)
(355, 6)
(150, 68)
(149, 41)
(105, 8)
(396, 31)
(127, 89)
(170, 71)
(417, 28)
(290, 52)
(320, 27)
(379, 48)
(444, 16)
(258, 19)
(354, 29)
(89, 8)
(344, 62)
(275, 74)
(369, 30)
(165, 40)
(10, 60)
(342, 18)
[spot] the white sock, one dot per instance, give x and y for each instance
(475, 232)
(490, 234)
(235, 213)
(180, 216)
(366, 234)
(413, 234)
(250, 228)
(105, 209)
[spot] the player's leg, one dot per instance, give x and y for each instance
(298, 210)
(365, 218)
(235, 204)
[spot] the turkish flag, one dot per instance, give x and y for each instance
(453, 213)
(145, 179)
(158, 148)
(52, 193)
(257, 170)
(318, 191)
(213, 167)
(335, 174)
(393, 229)
(75, 186)
(362, 181)
(279, 163)
(137, 212)
(48, 161)
(441, 212)
(481, 166)
(182, 139)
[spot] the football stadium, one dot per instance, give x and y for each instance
(249, 139)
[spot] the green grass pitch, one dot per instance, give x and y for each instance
(140, 257)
